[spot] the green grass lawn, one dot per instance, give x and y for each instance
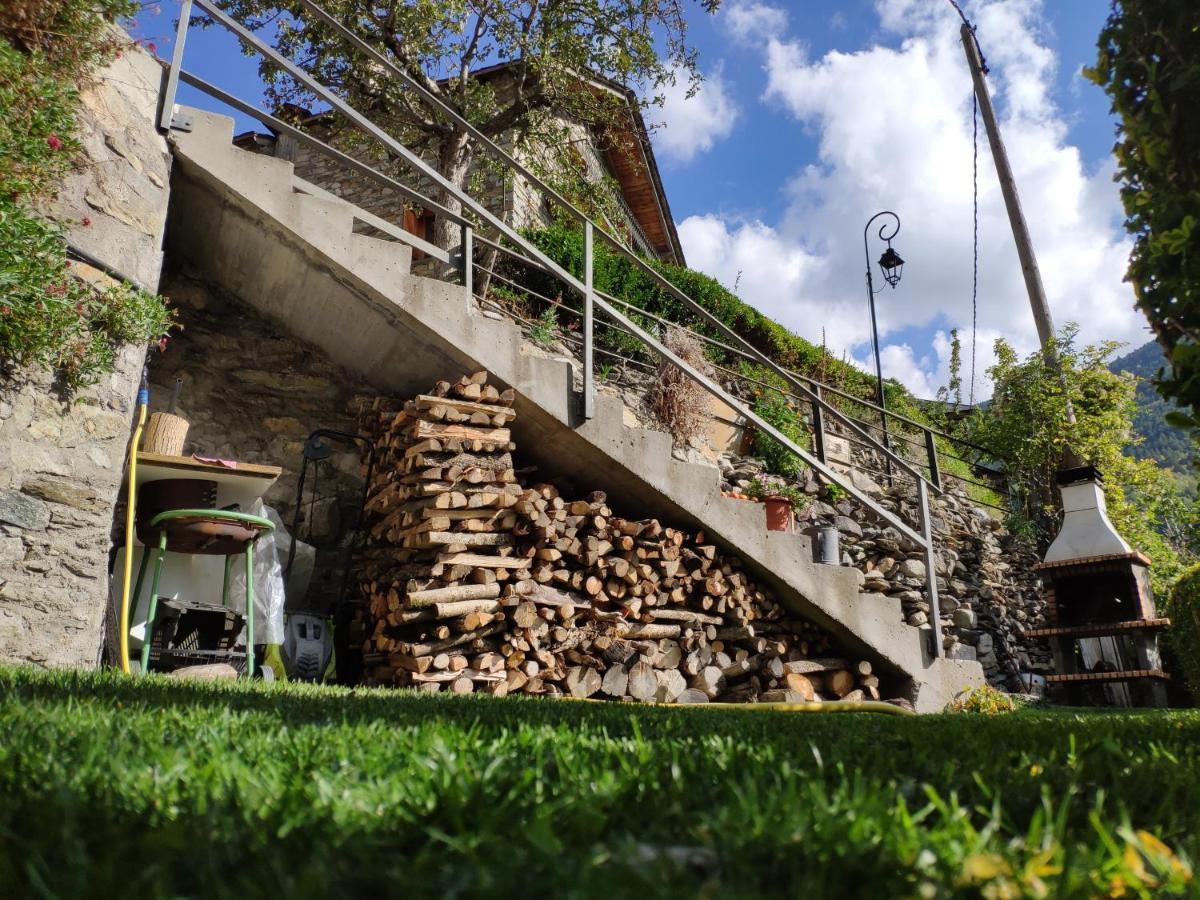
(115, 787)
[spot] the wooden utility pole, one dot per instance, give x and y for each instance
(1008, 186)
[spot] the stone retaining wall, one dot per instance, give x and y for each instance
(61, 463)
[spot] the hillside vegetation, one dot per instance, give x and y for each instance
(1170, 446)
(615, 275)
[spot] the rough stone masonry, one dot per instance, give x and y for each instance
(61, 462)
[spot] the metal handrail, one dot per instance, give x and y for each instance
(283, 127)
(557, 304)
(713, 342)
(575, 339)
(592, 300)
(812, 397)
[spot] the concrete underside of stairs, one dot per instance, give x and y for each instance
(237, 219)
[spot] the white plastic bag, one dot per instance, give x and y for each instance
(297, 580)
(269, 593)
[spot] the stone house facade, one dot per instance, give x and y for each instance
(620, 156)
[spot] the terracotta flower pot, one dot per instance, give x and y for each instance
(779, 513)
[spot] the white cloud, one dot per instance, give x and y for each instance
(751, 22)
(693, 124)
(900, 362)
(893, 127)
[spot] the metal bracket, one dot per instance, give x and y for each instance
(180, 121)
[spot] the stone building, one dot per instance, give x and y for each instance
(618, 155)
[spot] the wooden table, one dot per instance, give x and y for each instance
(241, 485)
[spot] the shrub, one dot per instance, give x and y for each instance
(613, 274)
(543, 330)
(763, 486)
(773, 406)
(985, 699)
(1183, 608)
(835, 493)
(678, 402)
(47, 316)
(50, 318)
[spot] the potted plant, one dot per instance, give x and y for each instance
(781, 501)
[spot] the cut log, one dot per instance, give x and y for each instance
(800, 685)
(840, 682)
(670, 685)
(418, 599)
(783, 696)
(643, 683)
(615, 681)
(583, 681)
(710, 681)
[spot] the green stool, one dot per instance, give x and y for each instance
(210, 532)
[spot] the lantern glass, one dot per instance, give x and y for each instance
(892, 265)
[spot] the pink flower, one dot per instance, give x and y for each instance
(54, 142)
(152, 47)
(87, 220)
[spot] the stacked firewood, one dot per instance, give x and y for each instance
(473, 582)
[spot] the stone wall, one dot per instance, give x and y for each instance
(253, 394)
(988, 591)
(61, 463)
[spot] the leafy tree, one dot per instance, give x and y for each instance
(556, 48)
(1026, 422)
(955, 386)
(1149, 64)
(951, 392)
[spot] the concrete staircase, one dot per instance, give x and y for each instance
(240, 219)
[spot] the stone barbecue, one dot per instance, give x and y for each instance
(1100, 617)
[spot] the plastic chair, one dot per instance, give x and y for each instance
(210, 532)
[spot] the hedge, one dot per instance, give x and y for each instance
(1183, 608)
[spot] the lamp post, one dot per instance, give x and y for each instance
(891, 265)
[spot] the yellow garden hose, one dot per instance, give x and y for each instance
(143, 399)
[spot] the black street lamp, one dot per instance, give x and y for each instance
(891, 265)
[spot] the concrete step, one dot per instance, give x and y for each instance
(295, 258)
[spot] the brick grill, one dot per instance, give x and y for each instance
(1100, 618)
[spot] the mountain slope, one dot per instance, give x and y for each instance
(1170, 446)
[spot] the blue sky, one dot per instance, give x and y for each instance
(815, 114)
(744, 171)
